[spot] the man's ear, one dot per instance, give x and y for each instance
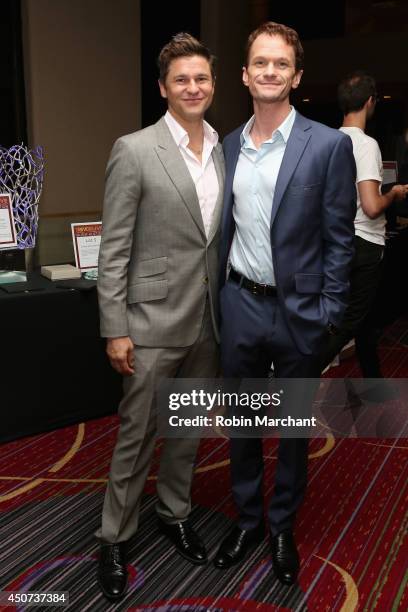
(245, 78)
(370, 104)
(163, 91)
(296, 79)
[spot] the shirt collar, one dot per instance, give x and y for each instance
(352, 128)
(180, 135)
(284, 129)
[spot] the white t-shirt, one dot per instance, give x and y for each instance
(369, 167)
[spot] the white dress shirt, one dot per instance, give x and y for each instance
(253, 188)
(203, 173)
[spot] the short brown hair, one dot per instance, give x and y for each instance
(290, 36)
(182, 45)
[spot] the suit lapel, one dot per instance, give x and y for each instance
(298, 139)
(175, 166)
(231, 160)
(218, 160)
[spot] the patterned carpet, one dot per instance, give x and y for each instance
(351, 530)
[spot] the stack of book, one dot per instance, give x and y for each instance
(60, 272)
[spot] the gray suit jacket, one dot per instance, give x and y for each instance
(155, 262)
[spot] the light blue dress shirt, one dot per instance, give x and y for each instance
(253, 188)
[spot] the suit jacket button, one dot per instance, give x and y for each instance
(205, 280)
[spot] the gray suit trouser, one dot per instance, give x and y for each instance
(136, 438)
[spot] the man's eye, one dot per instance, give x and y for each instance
(283, 65)
(180, 81)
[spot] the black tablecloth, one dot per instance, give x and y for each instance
(54, 371)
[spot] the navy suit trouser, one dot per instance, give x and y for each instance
(254, 334)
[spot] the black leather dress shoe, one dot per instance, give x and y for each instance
(237, 545)
(285, 557)
(187, 542)
(112, 571)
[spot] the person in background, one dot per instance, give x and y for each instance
(357, 97)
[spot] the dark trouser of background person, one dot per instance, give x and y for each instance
(358, 322)
(366, 348)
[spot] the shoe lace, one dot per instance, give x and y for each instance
(115, 556)
(188, 535)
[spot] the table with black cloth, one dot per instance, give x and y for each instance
(54, 371)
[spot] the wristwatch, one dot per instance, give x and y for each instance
(332, 329)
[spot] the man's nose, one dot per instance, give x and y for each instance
(270, 69)
(192, 86)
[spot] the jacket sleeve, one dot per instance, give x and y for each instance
(122, 196)
(338, 213)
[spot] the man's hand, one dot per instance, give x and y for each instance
(400, 192)
(373, 202)
(121, 356)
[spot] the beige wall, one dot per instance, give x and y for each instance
(81, 62)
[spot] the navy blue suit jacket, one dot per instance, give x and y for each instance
(311, 228)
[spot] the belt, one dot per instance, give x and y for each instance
(255, 288)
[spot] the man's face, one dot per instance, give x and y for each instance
(271, 72)
(189, 87)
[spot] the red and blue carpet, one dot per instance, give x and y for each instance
(351, 530)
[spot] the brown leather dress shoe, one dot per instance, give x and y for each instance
(112, 571)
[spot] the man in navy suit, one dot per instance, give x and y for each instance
(287, 246)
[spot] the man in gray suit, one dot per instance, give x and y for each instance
(157, 292)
